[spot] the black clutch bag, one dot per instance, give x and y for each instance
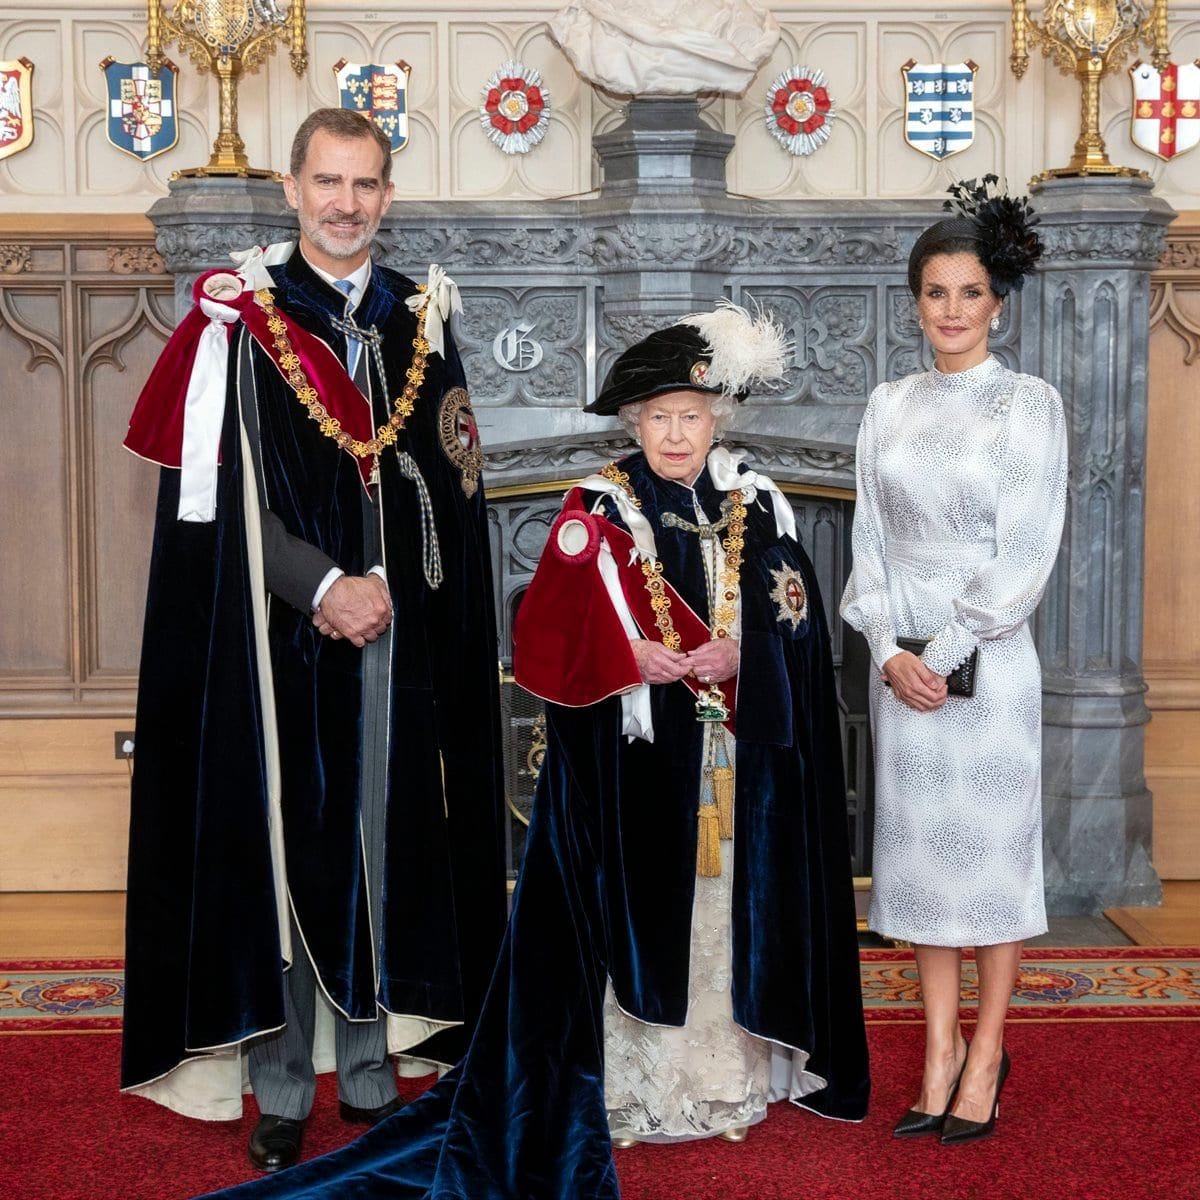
(960, 681)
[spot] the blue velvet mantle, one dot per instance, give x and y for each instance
(203, 947)
(606, 889)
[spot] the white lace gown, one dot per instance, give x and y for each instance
(961, 493)
(667, 1083)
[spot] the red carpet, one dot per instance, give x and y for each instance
(1101, 1109)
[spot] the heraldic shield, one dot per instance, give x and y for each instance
(1166, 108)
(141, 107)
(378, 92)
(939, 107)
(16, 105)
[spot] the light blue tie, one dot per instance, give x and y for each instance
(353, 348)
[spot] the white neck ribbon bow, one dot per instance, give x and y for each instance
(252, 264)
(723, 468)
(440, 300)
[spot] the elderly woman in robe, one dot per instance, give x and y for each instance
(675, 622)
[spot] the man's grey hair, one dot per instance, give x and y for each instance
(724, 408)
(340, 123)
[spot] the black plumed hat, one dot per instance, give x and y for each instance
(727, 352)
(669, 360)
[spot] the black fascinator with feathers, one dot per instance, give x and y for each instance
(997, 227)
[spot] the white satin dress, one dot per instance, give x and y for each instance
(962, 482)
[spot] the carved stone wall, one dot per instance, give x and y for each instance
(454, 46)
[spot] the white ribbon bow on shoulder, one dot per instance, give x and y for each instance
(440, 300)
(252, 264)
(723, 468)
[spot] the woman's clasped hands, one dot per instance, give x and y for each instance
(914, 683)
(712, 662)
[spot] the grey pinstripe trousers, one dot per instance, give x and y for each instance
(280, 1063)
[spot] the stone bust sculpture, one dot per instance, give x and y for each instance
(668, 48)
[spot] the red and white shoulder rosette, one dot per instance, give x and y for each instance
(515, 112)
(798, 110)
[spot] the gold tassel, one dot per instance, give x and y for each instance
(708, 843)
(722, 783)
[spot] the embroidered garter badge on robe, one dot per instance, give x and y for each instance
(460, 438)
(790, 596)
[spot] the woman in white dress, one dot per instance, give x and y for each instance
(962, 474)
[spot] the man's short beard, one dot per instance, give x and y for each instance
(338, 247)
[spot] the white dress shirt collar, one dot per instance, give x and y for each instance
(358, 278)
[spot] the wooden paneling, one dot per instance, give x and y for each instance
(1172, 590)
(62, 925)
(64, 806)
(85, 307)
(123, 327)
(35, 452)
(1176, 923)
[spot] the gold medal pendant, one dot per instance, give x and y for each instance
(710, 704)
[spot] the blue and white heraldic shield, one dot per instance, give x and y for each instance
(939, 107)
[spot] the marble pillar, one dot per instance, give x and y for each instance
(1102, 239)
(200, 221)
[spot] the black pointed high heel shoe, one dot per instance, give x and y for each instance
(957, 1131)
(916, 1123)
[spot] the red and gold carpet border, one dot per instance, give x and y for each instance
(1080, 984)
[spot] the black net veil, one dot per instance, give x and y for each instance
(997, 228)
(954, 293)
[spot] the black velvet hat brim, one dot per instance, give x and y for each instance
(663, 362)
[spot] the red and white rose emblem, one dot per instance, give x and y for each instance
(798, 110)
(516, 108)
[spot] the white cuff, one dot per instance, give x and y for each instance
(636, 721)
(377, 569)
(950, 648)
(334, 574)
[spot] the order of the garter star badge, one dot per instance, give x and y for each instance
(790, 596)
(798, 110)
(515, 112)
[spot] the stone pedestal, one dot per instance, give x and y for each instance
(1102, 238)
(664, 167)
(200, 221)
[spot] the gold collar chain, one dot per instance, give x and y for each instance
(725, 609)
(402, 407)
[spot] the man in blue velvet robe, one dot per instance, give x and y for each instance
(306, 819)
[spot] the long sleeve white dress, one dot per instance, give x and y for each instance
(961, 493)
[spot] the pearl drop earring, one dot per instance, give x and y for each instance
(994, 323)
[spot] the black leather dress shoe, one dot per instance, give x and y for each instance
(275, 1143)
(369, 1116)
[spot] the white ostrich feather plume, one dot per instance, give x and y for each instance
(749, 352)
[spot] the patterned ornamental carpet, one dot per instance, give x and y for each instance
(1080, 984)
(1102, 1104)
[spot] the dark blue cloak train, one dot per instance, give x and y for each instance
(606, 889)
